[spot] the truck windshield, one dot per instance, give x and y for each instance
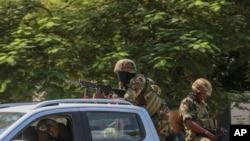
(7, 119)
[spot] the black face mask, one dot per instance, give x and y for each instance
(124, 78)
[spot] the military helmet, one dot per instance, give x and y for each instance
(126, 65)
(202, 83)
(45, 124)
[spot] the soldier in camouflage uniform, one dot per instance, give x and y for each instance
(142, 91)
(195, 113)
(48, 130)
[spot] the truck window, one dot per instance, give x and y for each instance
(49, 127)
(8, 118)
(115, 126)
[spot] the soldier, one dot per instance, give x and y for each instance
(47, 130)
(142, 91)
(195, 113)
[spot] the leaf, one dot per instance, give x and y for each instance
(54, 50)
(4, 85)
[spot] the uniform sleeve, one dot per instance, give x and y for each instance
(135, 88)
(184, 110)
(129, 96)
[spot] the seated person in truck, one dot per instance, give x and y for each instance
(142, 91)
(47, 130)
(195, 113)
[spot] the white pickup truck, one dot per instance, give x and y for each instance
(79, 120)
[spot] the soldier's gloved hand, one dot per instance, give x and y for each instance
(99, 94)
(223, 131)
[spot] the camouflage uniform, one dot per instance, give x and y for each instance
(189, 108)
(143, 92)
(197, 109)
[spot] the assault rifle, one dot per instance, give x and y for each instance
(105, 88)
(220, 133)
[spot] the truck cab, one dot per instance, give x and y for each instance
(78, 120)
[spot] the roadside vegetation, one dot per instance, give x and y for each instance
(45, 42)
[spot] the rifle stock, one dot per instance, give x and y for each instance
(107, 89)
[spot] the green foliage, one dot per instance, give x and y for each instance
(44, 42)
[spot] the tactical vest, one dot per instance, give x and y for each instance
(152, 97)
(206, 121)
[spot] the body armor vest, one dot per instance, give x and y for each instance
(153, 102)
(206, 121)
